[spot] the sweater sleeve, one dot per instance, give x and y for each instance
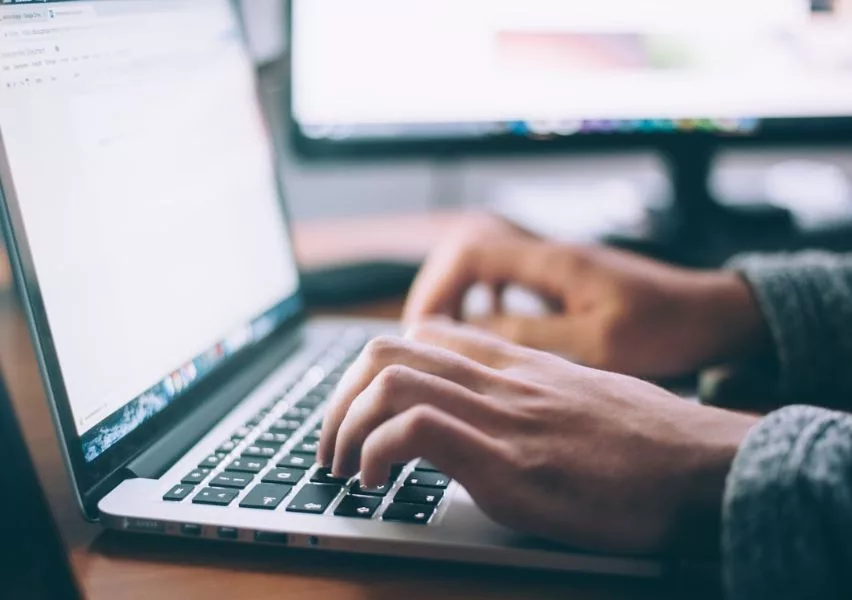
(806, 300)
(787, 515)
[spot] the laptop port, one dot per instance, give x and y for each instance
(266, 537)
(228, 533)
(190, 529)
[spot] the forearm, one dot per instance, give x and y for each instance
(787, 517)
(806, 300)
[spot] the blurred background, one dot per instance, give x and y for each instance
(587, 115)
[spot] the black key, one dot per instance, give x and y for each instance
(408, 513)
(396, 471)
(247, 465)
(215, 496)
(227, 447)
(297, 413)
(324, 476)
(285, 426)
(311, 401)
(418, 495)
(358, 507)
(285, 476)
(259, 452)
(313, 499)
(376, 491)
(426, 479)
(212, 461)
(197, 476)
(231, 480)
(266, 496)
(275, 440)
(178, 493)
(425, 465)
(297, 461)
(241, 433)
(314, 436)
(307, 448)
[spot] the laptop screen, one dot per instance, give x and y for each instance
(143, 170)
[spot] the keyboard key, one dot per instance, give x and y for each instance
(297, 461)
(285, 476)
(396, 471)
(227, 447)
(297, 413)
(426, 479)
(215, 496)
(376, 491)
(307, 448)
(358, 507)
(418, 495)
(313, 499)
(212, 461)
(311, 401)
(231, 480)
(425, 465)
(178, 493)
(285, 426)
(259, 452)
(247, 465)
(324, 476)
(266, 496)
(275, 440)
(408, 513)
(241, 433)
(196, 476)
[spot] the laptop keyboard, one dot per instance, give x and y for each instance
(270, 462)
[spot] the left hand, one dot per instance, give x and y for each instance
(597, 460)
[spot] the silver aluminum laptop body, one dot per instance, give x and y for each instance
(212, 411)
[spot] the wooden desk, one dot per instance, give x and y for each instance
(112, 566)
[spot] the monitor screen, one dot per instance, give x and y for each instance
(448, 69)
(134, 146)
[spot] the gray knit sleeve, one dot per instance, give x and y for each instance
(787, 515)
(807, 303)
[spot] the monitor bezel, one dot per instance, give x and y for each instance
(770, 132)
(92, 480)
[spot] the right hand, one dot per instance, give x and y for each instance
(614, 310)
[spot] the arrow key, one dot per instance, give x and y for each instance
(408, 513)
(215, 496)
(358, 507)
(266, 496)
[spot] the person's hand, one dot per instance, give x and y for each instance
(613, 310)
(597, 460)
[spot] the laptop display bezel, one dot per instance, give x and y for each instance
(92, 480)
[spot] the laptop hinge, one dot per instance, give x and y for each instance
(171, 447)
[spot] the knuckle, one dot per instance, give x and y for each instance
(391, 380)
(420, 421)
(381, 349)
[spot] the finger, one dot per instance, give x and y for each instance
(481, 346)
(384, 352)
(453, 446)
(395, 390)
(444, 280)
(574, 337)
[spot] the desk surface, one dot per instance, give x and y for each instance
(113, 565)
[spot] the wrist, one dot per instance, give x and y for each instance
(698, 523)
(735, 327)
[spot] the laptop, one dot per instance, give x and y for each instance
(35, 564)
(144, 220)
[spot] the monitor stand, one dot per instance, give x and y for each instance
(698, 230)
